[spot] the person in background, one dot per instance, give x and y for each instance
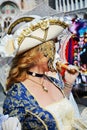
(36, 99)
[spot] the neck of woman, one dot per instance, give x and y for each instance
(36, 73)
(37, 70)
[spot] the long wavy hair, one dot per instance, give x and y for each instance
(22, 62)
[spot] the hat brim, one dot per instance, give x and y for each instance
(36, 34)
(17, 22)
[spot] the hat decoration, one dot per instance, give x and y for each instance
(34, 33)
(7, 46)
(37, 33)
(20, 21)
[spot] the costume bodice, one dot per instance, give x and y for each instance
(63, 112)
(32, 116)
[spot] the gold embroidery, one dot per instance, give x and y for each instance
(44, 26)
(24, 19)
(38, 118)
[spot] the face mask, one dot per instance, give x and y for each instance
(48, 49)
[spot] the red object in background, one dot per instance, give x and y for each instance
(69, 50)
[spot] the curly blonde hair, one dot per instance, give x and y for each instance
(22, 62)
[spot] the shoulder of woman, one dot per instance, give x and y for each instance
(16, 90)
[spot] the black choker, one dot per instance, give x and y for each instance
(35, 74)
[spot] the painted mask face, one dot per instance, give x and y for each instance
(48, 49)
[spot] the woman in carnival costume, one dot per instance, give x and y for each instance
(36, 99)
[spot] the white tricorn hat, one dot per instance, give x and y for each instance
(37, 32)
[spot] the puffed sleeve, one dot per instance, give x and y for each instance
(13, 105)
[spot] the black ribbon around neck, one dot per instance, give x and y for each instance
(35, 74)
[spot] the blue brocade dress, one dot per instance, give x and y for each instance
(20, 103)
